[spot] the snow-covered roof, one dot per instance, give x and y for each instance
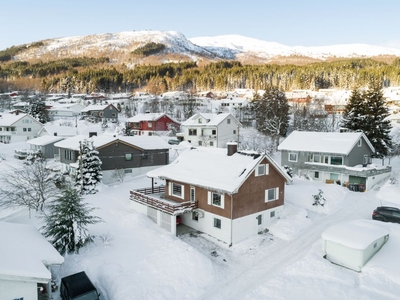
(25, 253)
(143, 142)
(10, 119)
(356, 234)
(93, 107)
(214, 119)
(45, 140)
(324, 142)
(145, 117)
(209, 167)
(64, 131)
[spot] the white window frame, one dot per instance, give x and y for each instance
(265, 170)
(292, 153)
(275, 196)
(192, 194)
(216, 222)
(359, 142)
(171, 190)
(210, 199)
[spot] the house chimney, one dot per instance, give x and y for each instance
(232, 148)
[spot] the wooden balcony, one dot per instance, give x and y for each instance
(154, 197)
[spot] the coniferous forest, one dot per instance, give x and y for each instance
(87, 74)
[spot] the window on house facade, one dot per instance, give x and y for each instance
(150, 124)
(24, 130)
(217, 223)
(192, 194)
(192, 131)
(260, 170)
(177, 189)
(211, 143)
(272, 214)
(316, 174)
(145, 155)
(234, 132)
(336, 160)
(128, 156)
(271, 194)
(214, 132)
(200, 143)
(259, 219)
(68, 154)
(216, 199)
(127, 171)
(317, 158)
(292, 156)
(200, 120)
(228, 121)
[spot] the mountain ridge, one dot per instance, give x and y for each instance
(119, 47)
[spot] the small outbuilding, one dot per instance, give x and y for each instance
(352, 244)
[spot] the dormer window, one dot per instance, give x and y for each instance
(200, 121)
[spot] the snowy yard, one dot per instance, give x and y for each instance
(133, 258)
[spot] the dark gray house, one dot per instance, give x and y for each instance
(121, 156)
(99, 113)
(45, 144)
(332, 157)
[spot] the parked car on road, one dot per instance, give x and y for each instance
(78, 286)
(173, 142)
(387, 214)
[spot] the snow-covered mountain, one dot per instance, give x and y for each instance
(118, 46)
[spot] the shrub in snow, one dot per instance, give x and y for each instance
(65, 224)
(319, 198)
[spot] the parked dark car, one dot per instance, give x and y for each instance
(78, 286)
(386, 214)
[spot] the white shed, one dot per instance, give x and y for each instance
(352, 244)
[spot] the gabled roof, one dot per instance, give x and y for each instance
(25, 253)
(148, 117)
(65, 131)
(211, 168)
(142, 142)
(213, 119)
(95, 107)
(323, 142)
(11, 119)
(45, 140)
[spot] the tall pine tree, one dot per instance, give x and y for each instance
(354, 113)
(38, 111)
(89, 172)
(65, 224)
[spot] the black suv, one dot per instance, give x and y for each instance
(386, 214)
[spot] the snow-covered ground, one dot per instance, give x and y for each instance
(133, 258)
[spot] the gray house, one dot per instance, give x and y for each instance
(45, 145)
(120, 156)
(332, 157)
(99, 113)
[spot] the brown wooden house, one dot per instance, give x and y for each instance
(226, 194)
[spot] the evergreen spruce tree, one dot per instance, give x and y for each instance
(89, 173)
(272, 113)
(376, 128)
(38, 111)
(354, 112)
(65, 225)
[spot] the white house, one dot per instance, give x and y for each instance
(18, 128)
(210, 130)
(353, 243)
(57, 130)
(25, 261)
(67, 110)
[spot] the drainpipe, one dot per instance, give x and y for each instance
(231, 219)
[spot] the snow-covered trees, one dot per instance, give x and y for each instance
(366, 111)
(67, 220)
(89, 172)
(38, 111)
(272, 113)
(30, 186)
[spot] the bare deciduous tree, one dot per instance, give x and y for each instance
(30, 186)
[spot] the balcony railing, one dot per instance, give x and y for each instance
(169, 206)
(352, 171)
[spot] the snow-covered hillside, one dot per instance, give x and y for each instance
(236, 44)
(119, 45)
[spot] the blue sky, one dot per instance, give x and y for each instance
(289, 22)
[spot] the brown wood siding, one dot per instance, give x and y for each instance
(249, 200)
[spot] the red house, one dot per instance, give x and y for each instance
(148, 124)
